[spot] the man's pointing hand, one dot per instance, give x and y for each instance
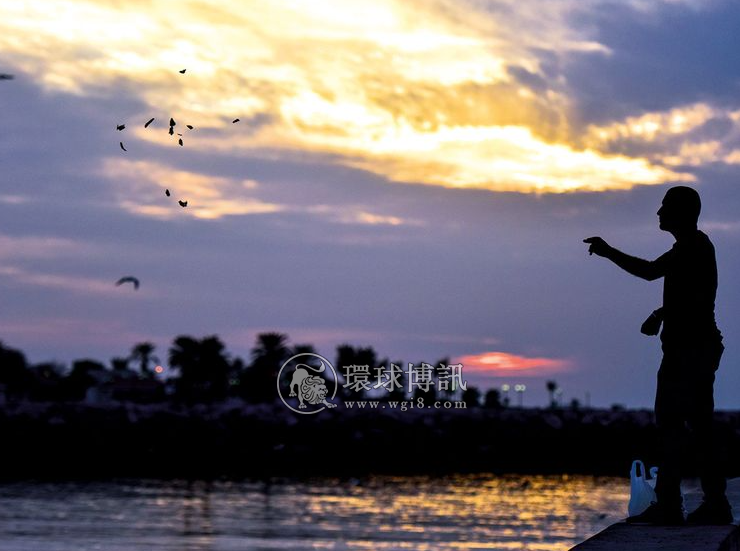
(597, 245)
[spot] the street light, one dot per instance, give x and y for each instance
(505, 391)
(519, 389)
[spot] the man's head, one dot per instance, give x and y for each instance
(680, 209)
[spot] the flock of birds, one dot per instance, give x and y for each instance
(120, 128)
(183, 204)
(172, 132)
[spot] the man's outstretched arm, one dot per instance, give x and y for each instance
(639, 267)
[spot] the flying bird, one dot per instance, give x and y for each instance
(183, 71)
(179, 141)
(150, 121)
(172, 122)
(167, 192)
(121, 144)
(171, 131)
(189, 127)
(128, 279)
(183, 204)
(234, 121)
(6, 76)
(120, 127)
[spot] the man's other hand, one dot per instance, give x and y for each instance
(651, 326)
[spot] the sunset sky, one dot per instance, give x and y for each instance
(413, 176)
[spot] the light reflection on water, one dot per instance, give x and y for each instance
(377, 513)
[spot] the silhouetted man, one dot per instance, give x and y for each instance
(692, 348)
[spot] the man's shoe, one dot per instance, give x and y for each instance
(709, 513)
(658, 515)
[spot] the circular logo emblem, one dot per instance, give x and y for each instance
(306, 382)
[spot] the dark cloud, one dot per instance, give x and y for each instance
(717, 128)
(667, 57)
(533, 81)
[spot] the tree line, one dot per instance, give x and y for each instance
(200, 370)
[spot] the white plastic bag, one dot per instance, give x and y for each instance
(653, 477)
(642, 491)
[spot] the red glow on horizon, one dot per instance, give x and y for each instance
(503, 364)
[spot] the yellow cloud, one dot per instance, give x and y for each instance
(733, 157)
(674, 137)
(422, 92)
(696, 154)
(497, 158)
(207, 196)
(651, 126)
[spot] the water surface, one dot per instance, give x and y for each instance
(377, 513)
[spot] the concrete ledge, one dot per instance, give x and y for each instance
(626, 537)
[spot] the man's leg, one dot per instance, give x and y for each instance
(701, 426)
(715, 509)
(669, 417)
(670, 420)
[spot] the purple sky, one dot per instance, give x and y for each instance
(417, 177)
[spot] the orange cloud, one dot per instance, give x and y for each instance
(503, 364)
(415, 92)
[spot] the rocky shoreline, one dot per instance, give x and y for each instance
(235, 439)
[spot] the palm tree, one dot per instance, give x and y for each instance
(14, 372)
(471, 396)
(492, 399)
(183, 356)
(348, 355)
(216, 367)
(268, 355)
(302, 349)
(203, 368)
(271, 346)
(142, 353)
(85, 374)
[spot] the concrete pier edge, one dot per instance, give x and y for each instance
(625, 537)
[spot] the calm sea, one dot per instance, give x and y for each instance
(377, 513)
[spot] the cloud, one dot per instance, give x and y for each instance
(43, 247)
(13, 199)
(79, 284)
(59, 331)
(357, 215)
(140, 189)
(654, 126)
(663, 54)
(732, 226)
(504, 364)
(436, 93)
(689, 135)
